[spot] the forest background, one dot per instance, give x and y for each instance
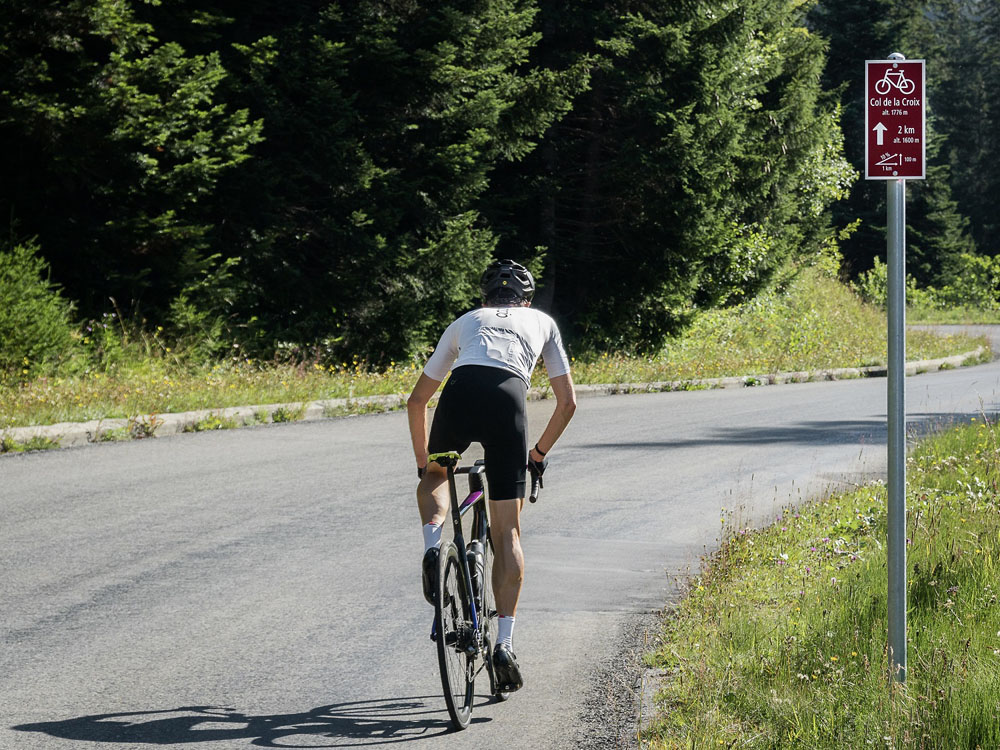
(326, 180)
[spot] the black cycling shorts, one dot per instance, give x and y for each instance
(485, 405)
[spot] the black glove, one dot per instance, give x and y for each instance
(537, 468)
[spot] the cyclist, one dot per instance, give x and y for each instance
(491, 353)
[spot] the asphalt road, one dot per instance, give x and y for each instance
(260, 587)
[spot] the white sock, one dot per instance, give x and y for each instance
(505, 631)
(432, 536)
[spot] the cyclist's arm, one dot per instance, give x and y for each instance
(562, 388)
(416, 410)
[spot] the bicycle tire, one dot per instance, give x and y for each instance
(454, 634)
(490, 617)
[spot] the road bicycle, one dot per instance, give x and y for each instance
(465, 614)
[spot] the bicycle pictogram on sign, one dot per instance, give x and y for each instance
(894, 79)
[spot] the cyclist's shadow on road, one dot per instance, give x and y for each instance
(358, 723)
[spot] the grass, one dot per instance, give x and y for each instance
(781, 642)
(953, 316)
(817, 324)
(8, 445)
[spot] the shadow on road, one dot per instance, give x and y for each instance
(358, 723)
(827, 432)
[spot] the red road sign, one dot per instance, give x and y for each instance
(895, 118)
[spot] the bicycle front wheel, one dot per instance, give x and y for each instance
(456, 641)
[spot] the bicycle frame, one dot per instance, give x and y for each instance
(476, 499)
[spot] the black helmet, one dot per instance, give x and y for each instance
(506, 280)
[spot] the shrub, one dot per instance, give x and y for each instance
(36, 332)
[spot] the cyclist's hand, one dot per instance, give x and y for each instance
(537, 468)
(421, 470)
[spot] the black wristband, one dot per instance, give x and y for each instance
(540, 451)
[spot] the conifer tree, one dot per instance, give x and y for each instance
(112, 142)
(937, 228)
(359, 221)
(702, 156)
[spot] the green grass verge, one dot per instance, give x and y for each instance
(781, 642)
(816, 324)
(953, 316)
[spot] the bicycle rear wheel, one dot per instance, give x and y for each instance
(456, 641)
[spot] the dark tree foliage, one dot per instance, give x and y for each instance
(701, 158)
(952, 35)
(331, 177)
(857, 30)
(964, 38)
(113, 140)
(358, 220)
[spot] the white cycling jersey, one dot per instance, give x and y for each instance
(510, 338)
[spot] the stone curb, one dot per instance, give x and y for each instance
(68, 434)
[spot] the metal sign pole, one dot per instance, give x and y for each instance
(895, 151)
(896, 200)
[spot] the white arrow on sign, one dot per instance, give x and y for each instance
(879, 130)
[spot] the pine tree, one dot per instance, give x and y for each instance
(358, 221)
(986, 185)
(112, 142)
(857, 30)
(700, 159)
(937, 229)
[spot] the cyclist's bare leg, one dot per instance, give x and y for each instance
(508, 561)
(432, 495)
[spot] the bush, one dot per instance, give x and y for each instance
(973, 282)
(36, 331)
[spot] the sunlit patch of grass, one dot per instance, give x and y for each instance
(212, 422)
(816, 324)
(781, 642)
(38, 443)
(159, 385)
(952, 316)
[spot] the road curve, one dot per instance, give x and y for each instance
(259, 587)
